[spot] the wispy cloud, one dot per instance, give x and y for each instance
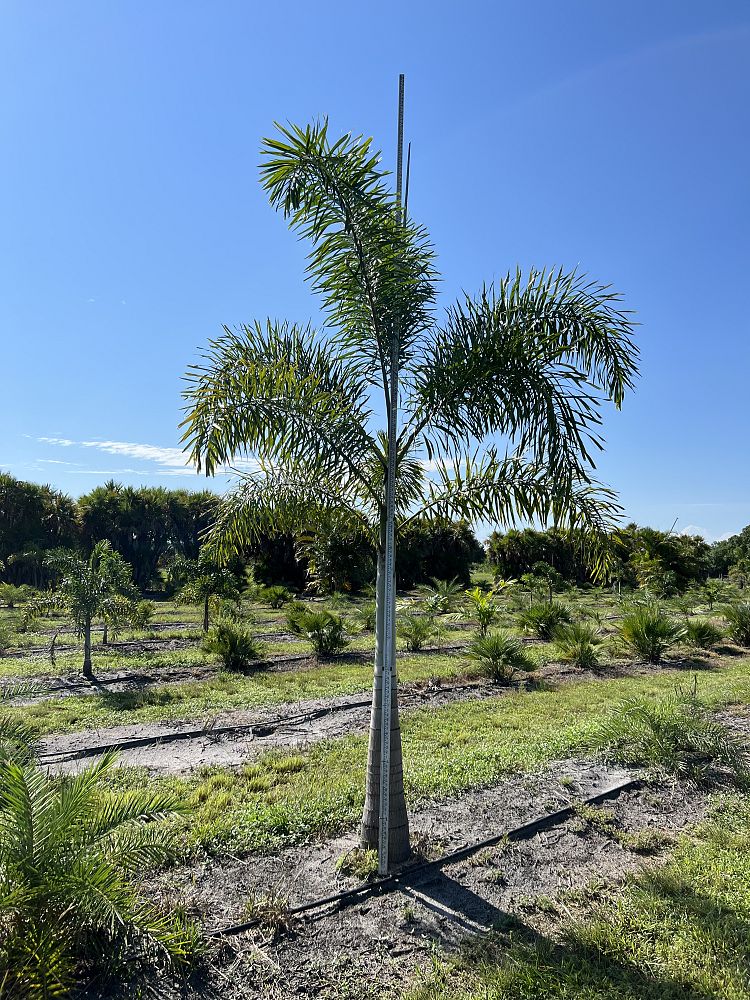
(168, 457)
(168, 461)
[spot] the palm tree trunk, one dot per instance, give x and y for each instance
(205, 614)
(105, 633)
(398, 831)
(88, 672)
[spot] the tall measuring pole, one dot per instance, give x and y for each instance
(389, 637)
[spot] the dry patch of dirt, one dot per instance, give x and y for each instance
(374, 948)
(170, 747)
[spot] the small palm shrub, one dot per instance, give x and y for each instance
(577, 643)
(415, 630)
(543, 620)
(69, 855)
(701, 633)
(295, 611)
(482, 608)
(141, 614)
(19, 741)
(500, 655)
(10, 595)
(324, 630)
(648, 631)
(442, 596)
(364, 616)
(675, 734)
(232, 643)
(738, 618)
(274, 596)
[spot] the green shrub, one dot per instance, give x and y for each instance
(542, 620)
(325, 631)
(738, 617)
(5, 639)
(11, 595)
(141, 614)
(499, 655)
(274, 596)
(482, 608)
(295, 612)
(648, 631)
(577, 643)
(70, 854)
(442, 596)
(675, 734)
(702, 633)
(415, 630)
(232, 643)
(365, 616)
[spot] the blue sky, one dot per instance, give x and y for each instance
(606, 135)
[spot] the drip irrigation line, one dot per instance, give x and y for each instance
(259, 729)
(389, 883)
(266, 664)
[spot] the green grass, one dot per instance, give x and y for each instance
(224, 692)
(446, 751)
(675, 933)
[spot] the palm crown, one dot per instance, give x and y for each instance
(502, 399)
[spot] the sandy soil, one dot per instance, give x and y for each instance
(174, 747)
(375, 947)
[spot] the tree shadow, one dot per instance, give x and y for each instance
(587, 961)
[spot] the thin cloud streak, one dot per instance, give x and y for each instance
(170, 461)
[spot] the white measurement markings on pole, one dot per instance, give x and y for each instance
(389, 645)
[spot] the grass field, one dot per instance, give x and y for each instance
(674, 933)
(284, 798)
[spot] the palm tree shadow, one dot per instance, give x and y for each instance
(579, 963)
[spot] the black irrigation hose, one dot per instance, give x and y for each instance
(255, 728)
(270, 663)
(390, 882)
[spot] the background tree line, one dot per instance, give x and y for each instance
(661, 561)
(152, 527)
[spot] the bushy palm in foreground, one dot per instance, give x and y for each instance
(68, 855)
(498, 405)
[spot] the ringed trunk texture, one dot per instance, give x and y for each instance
(87, 669)
(399, 847)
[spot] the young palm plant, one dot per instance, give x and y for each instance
(442, 597)
(202, 580)
(416, 631)
(648, 631)
(499, 655)
(528, 361)
(578, 643)
(738, 619)
(543, 620)
(69, 852)
(92, 588)
(481, 608)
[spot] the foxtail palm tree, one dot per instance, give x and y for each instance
(498, 404)
(91, 587)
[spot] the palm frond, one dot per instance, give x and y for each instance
(375, 274)
(278, 500)
(275, 393)
(532, 360)
(507, 489)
